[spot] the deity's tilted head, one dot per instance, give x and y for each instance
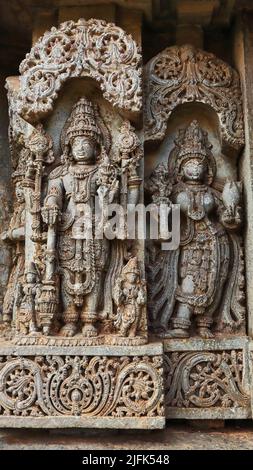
(192, 154)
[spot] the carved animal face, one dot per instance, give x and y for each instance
(83, 149)
(194, 170)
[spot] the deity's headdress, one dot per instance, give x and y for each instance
(131, 267)
(85, 120)
(191, 143)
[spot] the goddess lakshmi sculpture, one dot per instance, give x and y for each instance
(203, 278)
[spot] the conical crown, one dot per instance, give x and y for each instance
(82, 121)
(131, 267)
(194, 141)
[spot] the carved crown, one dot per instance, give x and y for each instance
(131, 266)
(82, 121)
(192, 142)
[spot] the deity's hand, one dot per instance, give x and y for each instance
(103, 192)
(50, 214)
(5, 236)
(232, 217)
(238, 214)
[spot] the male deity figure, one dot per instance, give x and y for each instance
(80, 261)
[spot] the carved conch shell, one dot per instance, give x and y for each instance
(231, 194)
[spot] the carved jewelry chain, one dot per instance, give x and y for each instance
(196, 209)
(81, 175)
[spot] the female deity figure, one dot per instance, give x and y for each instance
(81, 259)
(205, 273)
(16, 236)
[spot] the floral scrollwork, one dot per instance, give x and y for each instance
(92, 48)
(21, 387)
(205, 379)
(81, 386)
(179, 75)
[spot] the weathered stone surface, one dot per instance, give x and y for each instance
(184, 74)
(74, 342)
(95, 390)
(200, 283)
(177, 436)
(207, 379)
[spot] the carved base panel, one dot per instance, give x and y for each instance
(78, 340)
(97, 387)
(207, 379)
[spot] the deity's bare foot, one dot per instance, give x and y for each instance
(68, 330)
(89, 330)
(205, 333)
(175, 333)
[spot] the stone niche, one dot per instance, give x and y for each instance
(196, 292)
(74, 341)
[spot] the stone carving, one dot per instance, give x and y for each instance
(203, 279)
(184, 74)
(29, 292)
(93, 48)
(199, 379)
(72, 268)
(15, 235)
(82, 258)
(81, 386)
(129, 294)
(75, 287)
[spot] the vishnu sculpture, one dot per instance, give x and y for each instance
(74, 340)
(199, 284)
(71, 266)
(72, 188)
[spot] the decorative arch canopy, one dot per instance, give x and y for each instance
(93, 48)
(184, 74)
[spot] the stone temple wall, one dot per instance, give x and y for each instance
(120, 331)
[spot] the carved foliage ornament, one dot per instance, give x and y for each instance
(92, 48)
(205, 379)
(85, 386)
(184, 74)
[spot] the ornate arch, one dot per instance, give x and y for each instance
(92, 48)
(184, 74)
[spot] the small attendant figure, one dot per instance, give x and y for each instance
(129, 295)
(26, 318)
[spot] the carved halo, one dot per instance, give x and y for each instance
(92, 48)
(184, 74)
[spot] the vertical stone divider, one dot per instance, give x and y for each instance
(243, 57)
(5, 191)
